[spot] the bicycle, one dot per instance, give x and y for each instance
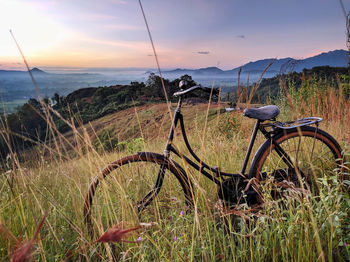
(294, 154)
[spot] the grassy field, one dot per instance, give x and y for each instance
(55, 179)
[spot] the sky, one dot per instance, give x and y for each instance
(186, 33)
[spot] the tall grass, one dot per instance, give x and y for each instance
(57, 178)
(316, 97)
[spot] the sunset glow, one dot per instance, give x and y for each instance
(191, 34)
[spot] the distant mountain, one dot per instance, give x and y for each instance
(200, 71)
(12, 72)
(336, 58)
(17, 86)
(36, 70)
(259, 66)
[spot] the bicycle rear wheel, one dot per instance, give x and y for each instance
(140, 188)
(295, 159)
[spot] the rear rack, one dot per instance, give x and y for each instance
(300, 122)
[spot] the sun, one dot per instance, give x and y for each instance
(36, 32)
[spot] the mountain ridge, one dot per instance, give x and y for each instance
(335, 58)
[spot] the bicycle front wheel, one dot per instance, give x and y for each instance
(140, 188)
(296, 159)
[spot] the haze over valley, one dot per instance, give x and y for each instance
(17, 87)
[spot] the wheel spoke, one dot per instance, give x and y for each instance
(301, 156)
(136, 189)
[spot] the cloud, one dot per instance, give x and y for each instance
(203, 52)
(149, 55)
(122, 2)
(240, 36)
(92, 17)
(123, 27)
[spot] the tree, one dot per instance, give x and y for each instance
(154, 87)
(57, 99)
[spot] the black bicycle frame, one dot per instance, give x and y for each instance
(217, 175)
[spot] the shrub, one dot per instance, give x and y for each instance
(132, 146)
(229, 124)
(106, 141)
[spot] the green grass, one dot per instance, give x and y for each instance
(296, 229)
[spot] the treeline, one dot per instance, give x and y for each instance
(271, 89)
(29, 124)
(322, 76)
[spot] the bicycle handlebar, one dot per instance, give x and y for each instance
(181, 93)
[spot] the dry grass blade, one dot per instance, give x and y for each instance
(239, 91)
(237, 213)
(243, 213)
(343, 8)
(247, 90)
(156, 58)
(51, 126)
(27, 66)
(258, 82)
(347, 25)
(7, 233)
(117, 234)
(150, 224)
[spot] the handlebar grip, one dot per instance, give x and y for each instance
(182, 84)
(182, 92)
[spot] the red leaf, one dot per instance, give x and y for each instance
(117, 234)
(39, 227)
(24, 252)
(220, 257)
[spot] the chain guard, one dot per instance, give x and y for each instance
(232, 191)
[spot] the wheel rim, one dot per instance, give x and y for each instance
(313, 156)
(115, 197)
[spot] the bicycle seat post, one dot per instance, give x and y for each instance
(250, 147)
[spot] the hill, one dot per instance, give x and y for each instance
(321, 76)
(18, 86)
(30, 123)
(36, 70)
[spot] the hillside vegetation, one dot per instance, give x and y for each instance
(57, 170)
(29, 124)
(272, 89)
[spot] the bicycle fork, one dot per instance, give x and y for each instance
(150, 196)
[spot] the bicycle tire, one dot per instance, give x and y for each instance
(147, 163)
(313, 154)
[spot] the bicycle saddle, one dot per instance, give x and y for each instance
(262, 113)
